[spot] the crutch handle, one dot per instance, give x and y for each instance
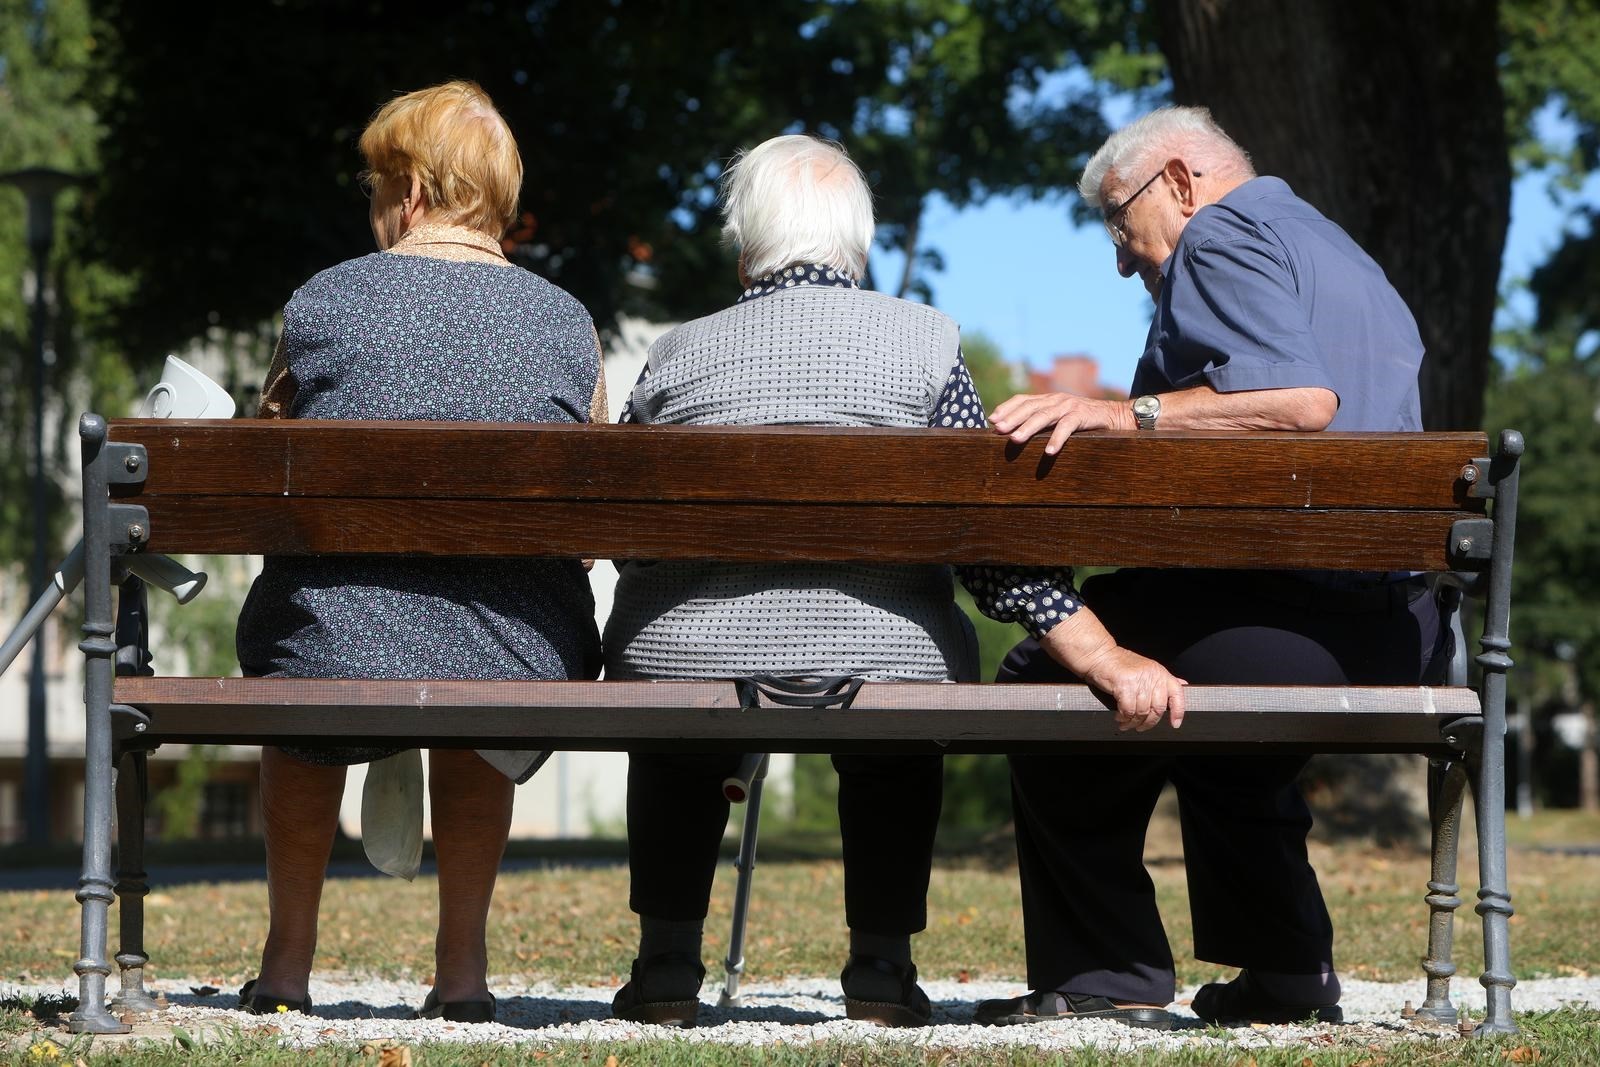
(751, 768)
(166, 573)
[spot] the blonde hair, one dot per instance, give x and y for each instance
(451, 138)
(797, 199)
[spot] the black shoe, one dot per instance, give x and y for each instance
(1242, 1001)
(910, 1005)
(456, 1011)
(1049, 1007)
(263, 1005)
(634, 1000)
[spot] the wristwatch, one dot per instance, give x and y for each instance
(1146, 410)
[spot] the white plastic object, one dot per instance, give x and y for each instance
(185, 393)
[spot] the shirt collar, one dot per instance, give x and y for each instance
(796, 276)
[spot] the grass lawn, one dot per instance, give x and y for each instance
(571, 925)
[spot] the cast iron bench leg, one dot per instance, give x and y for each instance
(98, 646)
(1447, 781)
(1487, 763)
(133, 787)
(1494, 898)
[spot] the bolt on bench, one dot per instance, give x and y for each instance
(1384, 502)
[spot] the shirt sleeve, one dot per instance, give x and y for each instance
(958, 406)
(1037, 598)
(627, 405)
(599, 404)
(277, 394)
(1233, 317)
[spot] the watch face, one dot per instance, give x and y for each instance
(1146, 405)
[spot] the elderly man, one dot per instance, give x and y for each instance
(1268, 317)
(804, 344)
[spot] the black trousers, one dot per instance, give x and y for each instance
(888, 813)
(1089, 908)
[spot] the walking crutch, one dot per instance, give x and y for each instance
(744, 787)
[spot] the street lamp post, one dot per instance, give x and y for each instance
(40, 186)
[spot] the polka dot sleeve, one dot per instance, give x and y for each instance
(627, 405)
(959, 407)
(1038, 599)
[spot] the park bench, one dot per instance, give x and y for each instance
(1384, 502)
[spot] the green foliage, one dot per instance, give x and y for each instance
(1552, 64)
(178, 805)
(1553, 396)
(45, 51)
(623, 135)
(996, 380)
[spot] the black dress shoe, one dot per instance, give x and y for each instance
(1242, 1001)
(910, 1005)
(640, 999)
(456, 1011)
(263, 1005)
(1047, 1007)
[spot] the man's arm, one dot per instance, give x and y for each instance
(1306, 408)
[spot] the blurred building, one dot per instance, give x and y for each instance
(1073, 372)
(576, 794)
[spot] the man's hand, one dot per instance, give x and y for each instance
(1143, 689)
(1021, 417)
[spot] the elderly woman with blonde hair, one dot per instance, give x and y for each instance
(436, 325)
(804, 344)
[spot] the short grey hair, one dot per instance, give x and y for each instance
(797, 199)
(1187, 133)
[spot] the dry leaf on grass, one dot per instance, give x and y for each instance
(1522, 1054)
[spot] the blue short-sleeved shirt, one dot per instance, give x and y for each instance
(1264, 292)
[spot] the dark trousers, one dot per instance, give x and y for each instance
(1089, 907)
(888, 812)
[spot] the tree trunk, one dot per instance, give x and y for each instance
(1388, 117)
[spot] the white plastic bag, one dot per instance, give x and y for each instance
(391, 814)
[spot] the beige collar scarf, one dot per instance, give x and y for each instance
(443, 240)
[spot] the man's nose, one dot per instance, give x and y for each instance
(1127, 266)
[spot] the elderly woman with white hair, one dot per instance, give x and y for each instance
(804, 344)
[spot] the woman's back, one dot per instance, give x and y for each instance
(393, 336)
(813, 355)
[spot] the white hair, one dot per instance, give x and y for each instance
(1187, 133)
(797, 199)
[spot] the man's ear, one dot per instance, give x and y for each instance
(1183, 186)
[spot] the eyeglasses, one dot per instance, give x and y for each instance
(1119, 236)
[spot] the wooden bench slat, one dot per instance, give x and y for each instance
(611, 715)
(796, 464)
(775, 533)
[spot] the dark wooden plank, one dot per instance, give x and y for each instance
(773, 533)
(612, 715)
(800, 464)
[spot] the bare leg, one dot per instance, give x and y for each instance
(300, 813)
(471, 805)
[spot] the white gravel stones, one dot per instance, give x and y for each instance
(800, 1011)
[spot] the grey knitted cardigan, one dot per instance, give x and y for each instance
(817, 356)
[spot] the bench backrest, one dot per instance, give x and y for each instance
(1213, 499)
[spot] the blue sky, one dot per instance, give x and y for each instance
(1023, 274)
